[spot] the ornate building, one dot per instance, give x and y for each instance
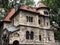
(28, 26)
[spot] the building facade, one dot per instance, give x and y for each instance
(28, 26)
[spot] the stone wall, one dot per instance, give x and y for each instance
(22, 36)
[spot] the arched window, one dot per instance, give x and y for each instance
(40, 37)
(39, 21)
(29, 19)
(16, 42)
(47, 23)
(32, 35)
(45, 12)
(29, 35)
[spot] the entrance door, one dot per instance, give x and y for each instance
(16, 42)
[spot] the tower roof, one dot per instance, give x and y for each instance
(42, 6)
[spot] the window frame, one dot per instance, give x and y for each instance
(40, 37)
(46, 12)
(39, 21)
(30, 35)
(27, 34)
(29, 18)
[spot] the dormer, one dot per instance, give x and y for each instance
(42, 9)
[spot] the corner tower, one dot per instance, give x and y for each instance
(44, 24)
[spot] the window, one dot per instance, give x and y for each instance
(48, 35)
(45, 12)
(29, 19)
(40, 37)
(29, 35)
(47, 23)
(44, 20)
(39, 21)
(48, 38)
(32, 35)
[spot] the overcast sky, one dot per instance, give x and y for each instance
(36, 1)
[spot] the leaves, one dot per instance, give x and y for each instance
(52, 4)
(57, 35)
(7, 5)
(30, 2)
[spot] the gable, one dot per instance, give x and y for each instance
(12, 12)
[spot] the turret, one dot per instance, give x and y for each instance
(42, 9)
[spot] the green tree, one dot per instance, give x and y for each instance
(29, 2)
(8, 4)
(52, 4)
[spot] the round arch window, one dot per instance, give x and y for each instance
(16, 42)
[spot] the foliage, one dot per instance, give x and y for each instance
(30, 2)
(27, 2)
(57, 35)
(52, 4)
(8, 4)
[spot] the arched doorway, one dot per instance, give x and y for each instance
(16, 42)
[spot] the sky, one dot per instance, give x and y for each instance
(36, 1)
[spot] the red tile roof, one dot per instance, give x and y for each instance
(11, 13)
(24, 7)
